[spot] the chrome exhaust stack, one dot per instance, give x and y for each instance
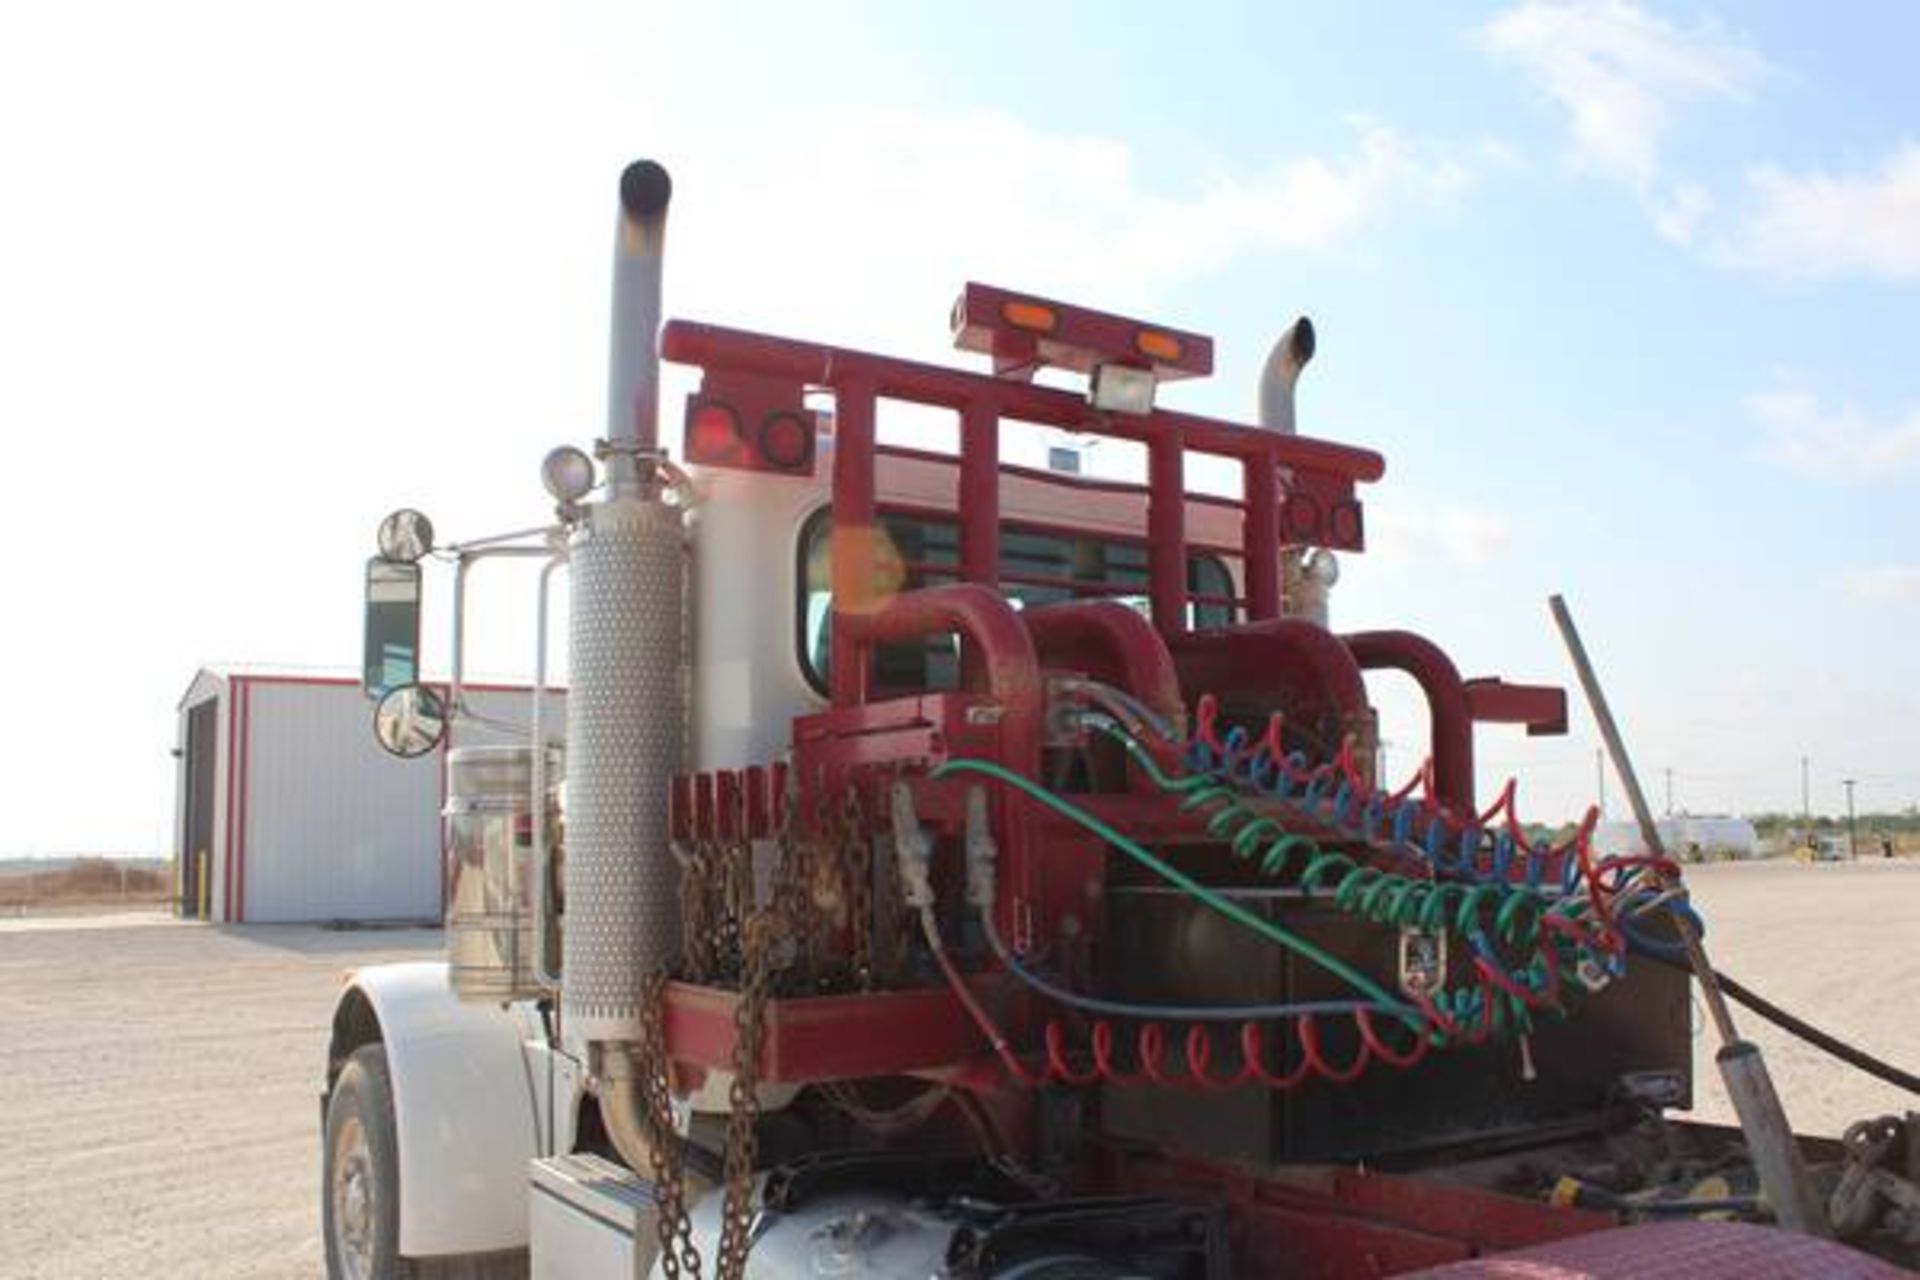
(1284, 363)
(633, 362)
(627, 704)
(1307, 573)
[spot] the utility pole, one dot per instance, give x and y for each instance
(1852, 850)
(1806, 806)
(1669, 791)
(1600, 778)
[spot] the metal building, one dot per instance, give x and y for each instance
(286, 809)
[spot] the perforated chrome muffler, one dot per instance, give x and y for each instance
(626, 736)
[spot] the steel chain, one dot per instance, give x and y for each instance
(791, 895)
(716, 895)
(743, 1098)
(854, 852)
(697, 932)
(678, 1254)
(736, 899)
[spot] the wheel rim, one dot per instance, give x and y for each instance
(352, 1198)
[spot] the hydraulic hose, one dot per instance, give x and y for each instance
(1802, 1029)
(1555, 930)
(1336, 792)
(1181, 880)
(1558, 926)
(1171, 1012)
(996, 1037)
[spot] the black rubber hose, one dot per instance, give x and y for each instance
(1811, 1034)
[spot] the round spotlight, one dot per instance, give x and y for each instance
(1323, 567)
(405, 536)
(567, 473)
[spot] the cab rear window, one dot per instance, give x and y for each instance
(1037, 566)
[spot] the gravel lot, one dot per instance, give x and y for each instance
(160, 1119)
(1836, 943)
(159, 1113)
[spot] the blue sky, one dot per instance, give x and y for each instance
(1626, 294)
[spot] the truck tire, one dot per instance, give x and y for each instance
(360, 1187)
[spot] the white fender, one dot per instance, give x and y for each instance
(463, 1109)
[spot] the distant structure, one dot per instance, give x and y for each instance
(287, 810)
(1704, 838)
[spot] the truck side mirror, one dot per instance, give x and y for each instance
(391, 656)
(409, 721)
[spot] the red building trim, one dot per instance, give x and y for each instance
(243, 691)
(348, 681)
(233, 800)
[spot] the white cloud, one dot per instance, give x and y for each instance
(1883, 584)
(914, 203)
(1404, 532)
(1814, 439)
(1783, 407)
(1819, 225)
(1677, 216)
(1620, 73)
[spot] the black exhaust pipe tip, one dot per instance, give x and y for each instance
(645, 189)
(1303, 340)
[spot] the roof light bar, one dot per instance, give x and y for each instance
(1023, 333)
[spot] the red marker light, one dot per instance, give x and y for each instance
(786, 441)
(1300, 520)
(713, 435)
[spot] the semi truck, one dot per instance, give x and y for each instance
(949, 868)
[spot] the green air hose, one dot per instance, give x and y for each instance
(1187, 884)
(1367, 892)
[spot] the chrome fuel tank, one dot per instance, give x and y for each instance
(493, 897)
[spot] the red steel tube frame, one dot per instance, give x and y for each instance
(980, 493)
(1110, 641)
(1261, 539)
(1448, 708)
(859, 378)
(850, 553)
(1246, 659)
(1009, 667)
(1167, 533)
(687, 342)
(1541, 708)
(982, 617)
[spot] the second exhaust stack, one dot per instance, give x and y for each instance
(1284, 363)
(633, 362)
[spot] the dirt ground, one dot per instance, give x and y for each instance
(159, 1114)
(158, 1111)
(1835, 943)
